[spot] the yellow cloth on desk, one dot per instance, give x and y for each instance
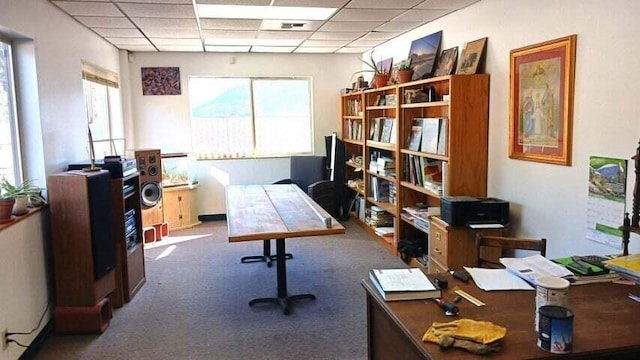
(482, 332)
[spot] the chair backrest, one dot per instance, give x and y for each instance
(306, 170)
(503, 242)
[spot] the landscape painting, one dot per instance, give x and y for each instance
(423, 55)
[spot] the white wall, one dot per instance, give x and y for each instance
(50, 47)
(550, 200)
(163, 121)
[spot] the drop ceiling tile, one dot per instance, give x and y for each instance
(445, 4)
(158, 10)
(137, 48)
(366, 14)
(238, 49)
(378, 36)
(171, 33)
(89, 8)
(350, 26)
(177, 41)
(127, 41)
(160, 23)
(325, 43)
(316, 50)
(235, 2)
(421, 15)
(366, 43)
(377, 4)
(108, 32)
(307, 25)
(185, 48)
(230, 24)
(229, 34)
(312, 3)
(106, 22)
(398, 26)
(353, 50)
(153, 1)
(321, 35)
(301, 35)
(272, 49)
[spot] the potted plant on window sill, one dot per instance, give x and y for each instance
(15, 199)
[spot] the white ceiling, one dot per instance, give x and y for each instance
(174, 25)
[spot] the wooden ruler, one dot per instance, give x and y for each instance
(469, 297)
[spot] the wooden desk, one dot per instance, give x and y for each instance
(260, 212)
(606, 323)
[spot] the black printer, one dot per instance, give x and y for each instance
(465, 210)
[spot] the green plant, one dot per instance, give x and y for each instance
(373, 66)
(25, 189)
(405, 65)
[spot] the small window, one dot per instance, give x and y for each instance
(247, 117)
(10, 165)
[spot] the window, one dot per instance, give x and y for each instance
(250, 117)
(10, 166)
(104, 112)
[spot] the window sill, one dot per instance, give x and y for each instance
(18, 218)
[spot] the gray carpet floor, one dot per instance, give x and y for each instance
(194, 304)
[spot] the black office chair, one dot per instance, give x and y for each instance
(310, 174)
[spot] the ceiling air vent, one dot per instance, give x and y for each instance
(291, 25)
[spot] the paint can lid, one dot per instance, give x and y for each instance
(555, 312)
(552, 282)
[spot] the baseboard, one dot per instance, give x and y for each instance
(216, 217)
(35, 345)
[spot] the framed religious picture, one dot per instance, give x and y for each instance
(447, 62)
(471, 56)
(541, 101)
(423, 53)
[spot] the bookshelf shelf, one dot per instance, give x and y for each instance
(464, 155)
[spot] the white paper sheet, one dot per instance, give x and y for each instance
(497, 279)
(532, 267)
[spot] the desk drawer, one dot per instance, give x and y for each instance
(436, 268)
(438, 242)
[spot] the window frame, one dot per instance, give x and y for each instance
(14, 121)
(254, 154)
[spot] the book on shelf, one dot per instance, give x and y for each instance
(442, 137)
(430, 130)
(415, 135)
(403, 284)
(377, 125)
(388, 125)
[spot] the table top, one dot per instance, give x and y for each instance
(263, 212)
(606, 320)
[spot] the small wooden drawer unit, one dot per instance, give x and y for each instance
(453, 247)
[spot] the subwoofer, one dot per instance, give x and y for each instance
(149, 164)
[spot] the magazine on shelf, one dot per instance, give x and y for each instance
(403, 284)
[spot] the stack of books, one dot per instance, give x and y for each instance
(378, 217)
(403, 284)
(627, 266)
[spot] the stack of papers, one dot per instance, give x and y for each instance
(497, 279)
(403, 284)
(628, 266)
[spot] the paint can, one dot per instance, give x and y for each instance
(555, 329)
(550, 290)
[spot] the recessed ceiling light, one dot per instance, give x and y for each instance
(250, 42)
(264, 12)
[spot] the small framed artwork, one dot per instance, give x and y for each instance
(471, 55)
(541, 101)
(423, 55)
(160, 81)
(447, 62)
(385, 65)
(390, 100)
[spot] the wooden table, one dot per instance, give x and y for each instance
(606, 323)
(260, 212)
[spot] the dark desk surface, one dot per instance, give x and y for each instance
(606, 321)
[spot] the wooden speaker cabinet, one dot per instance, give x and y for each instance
(84, 255)
(149, 163)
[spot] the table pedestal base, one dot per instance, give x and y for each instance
(283, 302)
(266, 255)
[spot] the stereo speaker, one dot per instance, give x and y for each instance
(149, 163)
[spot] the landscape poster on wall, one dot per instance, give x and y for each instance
(423, 55)
(160, 81)
(606, 201)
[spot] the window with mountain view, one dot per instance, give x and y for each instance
(250, 117)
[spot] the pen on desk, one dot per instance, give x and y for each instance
(634, 297)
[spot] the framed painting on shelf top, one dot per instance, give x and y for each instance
(541, 101)
(423, 53)
(471, 56)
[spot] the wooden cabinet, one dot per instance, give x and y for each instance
(451, 248)
(130, 270)
(180, 206)
(463, 100)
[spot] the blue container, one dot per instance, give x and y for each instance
(555, 329)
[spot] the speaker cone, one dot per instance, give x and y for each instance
(151, 194)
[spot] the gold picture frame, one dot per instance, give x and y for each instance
(541, 101)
